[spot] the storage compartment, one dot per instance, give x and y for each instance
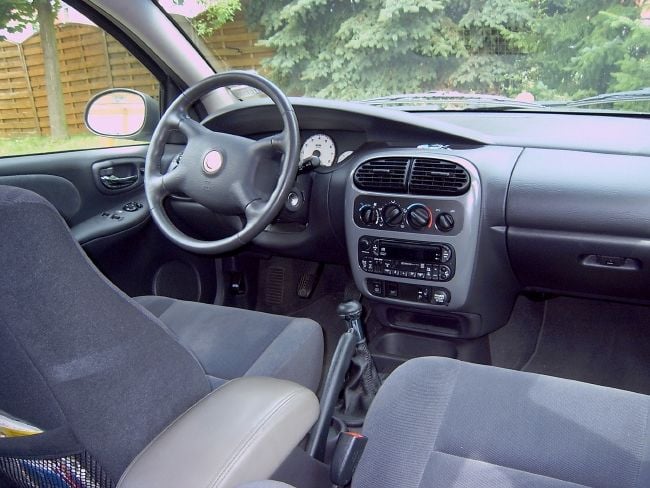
(390, 349)
(583, 264)
(579, 223)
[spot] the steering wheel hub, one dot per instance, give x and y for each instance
(212, 162)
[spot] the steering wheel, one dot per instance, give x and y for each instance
(217, 169)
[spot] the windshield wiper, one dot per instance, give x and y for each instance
(642, 94)
(442, 98)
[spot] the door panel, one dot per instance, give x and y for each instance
(77, 168)
(113, 224)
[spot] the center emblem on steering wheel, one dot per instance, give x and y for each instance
(212, 162)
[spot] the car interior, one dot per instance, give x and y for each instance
(287, 291)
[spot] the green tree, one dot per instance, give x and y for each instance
(585, 47)
(366, 48)
(217, 13)
(17, 14)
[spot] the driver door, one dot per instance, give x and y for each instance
(96, 183)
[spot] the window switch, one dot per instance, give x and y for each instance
(376, 287)
(392, 289)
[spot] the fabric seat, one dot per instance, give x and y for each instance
(96, 371)
(444, 423)
(230, 342)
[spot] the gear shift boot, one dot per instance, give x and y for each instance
(362, 381)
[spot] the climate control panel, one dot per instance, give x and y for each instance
(407, 259)
(425, 216)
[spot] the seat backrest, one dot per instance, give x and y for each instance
(80, 359)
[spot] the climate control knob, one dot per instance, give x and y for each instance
(445, 222)
(369, 215)
(393, 215)
(418, 216)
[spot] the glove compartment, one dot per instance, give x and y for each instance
(579, 223)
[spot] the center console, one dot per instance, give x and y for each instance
(412, 220)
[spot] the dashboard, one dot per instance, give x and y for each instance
(443, 218)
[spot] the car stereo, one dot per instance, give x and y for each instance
(407, 259)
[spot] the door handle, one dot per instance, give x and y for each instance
(116, 182)
(118, 175)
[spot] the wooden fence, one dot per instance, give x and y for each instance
(91, 61)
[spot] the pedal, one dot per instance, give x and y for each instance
(274, 285)
(237, 283)
(309, 279)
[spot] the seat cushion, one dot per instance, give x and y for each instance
(442, 422)
(231, 342)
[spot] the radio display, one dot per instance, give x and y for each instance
(418, 254)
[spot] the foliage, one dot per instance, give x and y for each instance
(16, 15)
(366, 48)
(218, 13)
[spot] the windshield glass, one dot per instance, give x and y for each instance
(435, 54)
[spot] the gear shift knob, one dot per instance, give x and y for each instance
(350, 311)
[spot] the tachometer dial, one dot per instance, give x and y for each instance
(322, 146)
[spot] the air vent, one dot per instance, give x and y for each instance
(384, 174)
(435, 177)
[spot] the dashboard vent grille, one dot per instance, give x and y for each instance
(436, 177)
(383, 174)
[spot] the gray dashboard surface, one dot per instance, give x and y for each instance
(573, 131)
(578, 174)
(585, 192)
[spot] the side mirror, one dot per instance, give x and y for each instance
(122, 113)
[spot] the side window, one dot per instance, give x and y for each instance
(49, 69)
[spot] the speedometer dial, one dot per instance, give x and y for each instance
(322, 146)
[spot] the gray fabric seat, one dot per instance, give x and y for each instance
(96, 371)
(444, 423)
(230, 342)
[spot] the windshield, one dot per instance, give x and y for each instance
(435, 54)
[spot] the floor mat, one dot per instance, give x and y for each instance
(596, 342)
(323, 311)
(279, 294)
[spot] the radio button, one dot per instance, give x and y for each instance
(392, 290)
(424, 294)
(445, 273)
(364, 244)
(445, 254)
(440, 297)
(376, 287)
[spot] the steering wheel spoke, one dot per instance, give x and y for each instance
(173, 180)
(276, 143)
(191, 128)
(255, 209)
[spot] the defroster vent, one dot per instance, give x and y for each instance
(437, 177)
(383, 174)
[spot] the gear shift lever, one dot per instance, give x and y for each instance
(352, 370)
(350, 311)
(362, 380)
